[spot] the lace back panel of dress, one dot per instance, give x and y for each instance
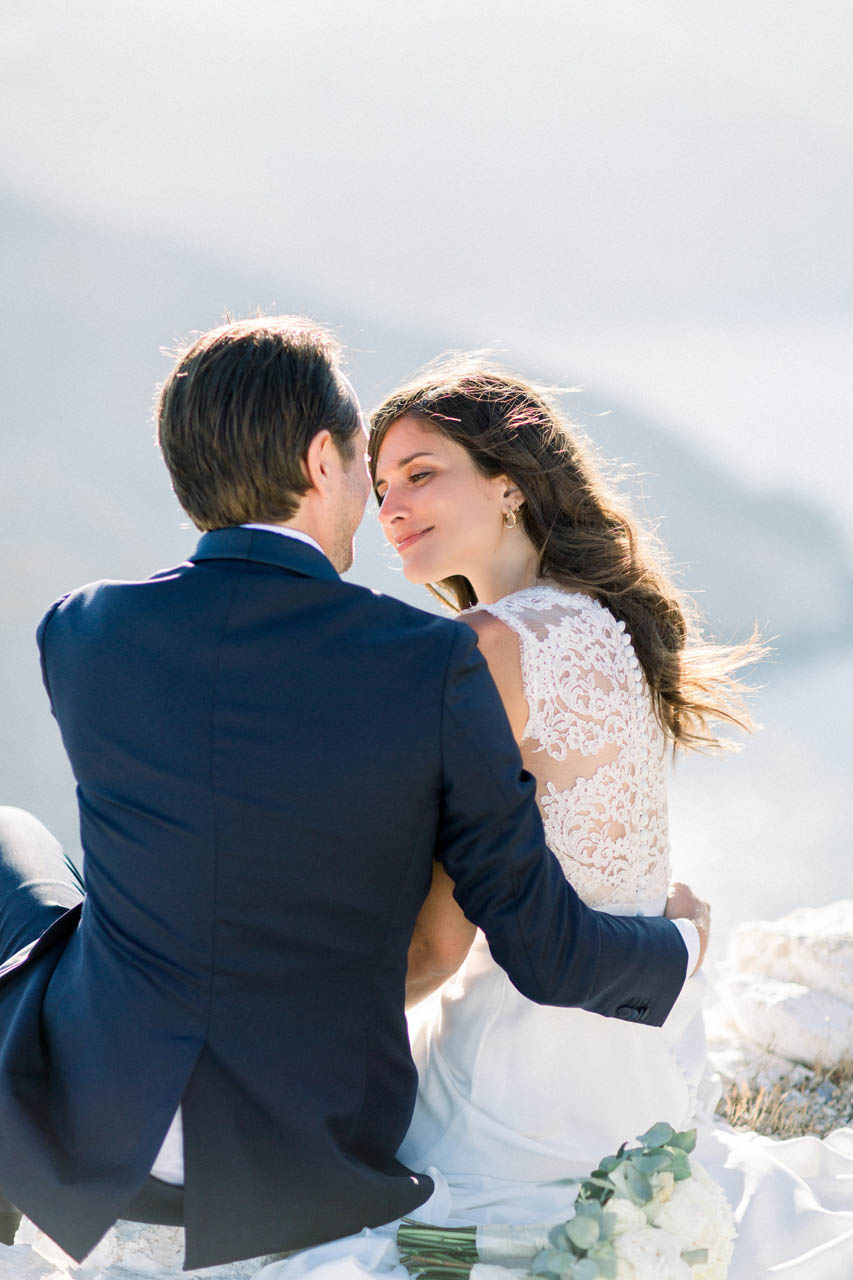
(594, 745)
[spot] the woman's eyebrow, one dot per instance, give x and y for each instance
(404, 462)
(421, 453)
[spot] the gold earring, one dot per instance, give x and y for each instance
(510, 519)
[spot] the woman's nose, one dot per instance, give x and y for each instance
(392, 506)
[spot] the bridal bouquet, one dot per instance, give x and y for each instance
(646, 1213)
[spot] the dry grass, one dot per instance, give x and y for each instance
(808, 1101)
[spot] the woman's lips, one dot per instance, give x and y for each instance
(412, 538)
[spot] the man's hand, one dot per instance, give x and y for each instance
(682, 904)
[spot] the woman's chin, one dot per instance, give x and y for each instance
(417, 577)
(421, 568)
(423, 573)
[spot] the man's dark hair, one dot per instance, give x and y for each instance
(237, 413)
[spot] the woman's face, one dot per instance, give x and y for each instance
(438, 511)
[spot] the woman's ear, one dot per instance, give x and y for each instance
(511, 492)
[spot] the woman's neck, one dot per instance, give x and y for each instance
(514, 569)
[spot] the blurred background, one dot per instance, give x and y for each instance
(647, 201)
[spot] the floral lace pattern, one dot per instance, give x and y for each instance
(593, 743)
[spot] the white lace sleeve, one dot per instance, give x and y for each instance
(594, 746)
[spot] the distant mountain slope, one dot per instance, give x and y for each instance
(745, 555)
(84, 493)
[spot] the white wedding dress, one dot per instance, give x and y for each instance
(516, 1097)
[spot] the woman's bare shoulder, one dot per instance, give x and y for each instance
(500, 646)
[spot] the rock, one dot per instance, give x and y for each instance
(788, 1018)
(812, 947)
(128, 1251)
(739, 1060)
(18, 1262)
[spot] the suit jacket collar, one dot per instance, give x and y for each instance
(264, 547)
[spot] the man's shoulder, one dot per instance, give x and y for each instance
(70, 602)
(368, 615)
(94, 595)
(405, 619)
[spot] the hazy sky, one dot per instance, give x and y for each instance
(556, 160)
(651, 197)
(656, 195)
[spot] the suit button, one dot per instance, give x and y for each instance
(628, 1013)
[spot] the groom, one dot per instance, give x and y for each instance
(268, 761)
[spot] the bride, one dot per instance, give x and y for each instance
(491, 502)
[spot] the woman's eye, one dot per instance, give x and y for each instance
(419, 475)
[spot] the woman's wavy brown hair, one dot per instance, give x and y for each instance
(585, 537)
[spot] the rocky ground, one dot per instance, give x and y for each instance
(797, 1101)
(781, 1032)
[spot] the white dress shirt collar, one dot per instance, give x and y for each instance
(288, 533)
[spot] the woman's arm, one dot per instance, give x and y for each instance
(443, 935)
(440, 942)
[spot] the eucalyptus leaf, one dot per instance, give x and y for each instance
(617, 1177)
(639, 1183)
(597, 1186)
(608, 1262)
(586, 1269)
(589, 1209)
(680, 1166)
(557, 1237)
(684, 1141)
(608, 1225)
(555, 1262)
(608, 1163)
(694, 1256)
(562, 1264)
(652, 1162)
(625, 1182)
(658, 1136)
(583, 1232)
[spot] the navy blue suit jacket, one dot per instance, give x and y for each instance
(267, 761)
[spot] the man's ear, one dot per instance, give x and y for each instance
(318, 460)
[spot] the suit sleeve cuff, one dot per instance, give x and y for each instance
(690, 936)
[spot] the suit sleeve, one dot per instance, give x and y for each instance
(41, 634)
(554, 949)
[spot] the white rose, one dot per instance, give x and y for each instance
(650, 1255)
(662, 1185)
(698, 1216)
(629, 1217)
